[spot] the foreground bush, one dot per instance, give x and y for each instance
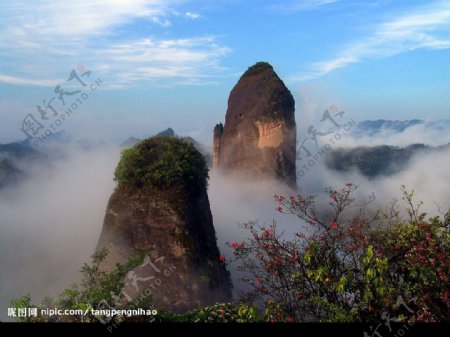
(347, 266)
(162, 163)
(343, 265)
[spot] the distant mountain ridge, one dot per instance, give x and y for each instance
(169, 132)
(376, 161)
(18, 158)
(372, 127)
(130, 142)
(15, 157)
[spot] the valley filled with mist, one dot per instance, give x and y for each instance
(199, 161)
(52, 214)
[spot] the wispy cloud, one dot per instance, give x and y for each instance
(27, 81)
(192, 15)
(149, 59)
(41, 41)
(427, 27)
(301, 5)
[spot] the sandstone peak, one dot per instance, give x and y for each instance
(160, 208)
(259, 135)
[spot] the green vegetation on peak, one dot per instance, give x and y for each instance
(161, 163)
(257, 68)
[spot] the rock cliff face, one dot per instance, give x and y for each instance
(163, 212)
(218, 132)
(259, 135)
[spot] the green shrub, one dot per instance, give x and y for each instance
(257, 68)
(343, 266)
(96, 287)
(161, 163)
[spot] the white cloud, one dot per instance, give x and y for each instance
(429, 133)
(47, 238)
(427, 27)
(302, 5)
(193, 15)
(27, 81)
(175, 51)
(78, 18)
(196, 59)
(44, 41)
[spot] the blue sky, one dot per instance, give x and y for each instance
(173, 63)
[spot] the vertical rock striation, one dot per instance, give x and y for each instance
(160, 208)
(259, 135)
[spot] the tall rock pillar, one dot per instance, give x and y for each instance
(259, 135)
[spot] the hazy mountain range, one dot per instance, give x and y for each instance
(377, 161)
(373, 127)
(371, 161)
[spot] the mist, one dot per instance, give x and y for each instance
(427, 174)
(51, 222)
(429, 133)
(234, 202)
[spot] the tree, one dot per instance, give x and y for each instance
(97, 288)
(348, 266)
(343, 265)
